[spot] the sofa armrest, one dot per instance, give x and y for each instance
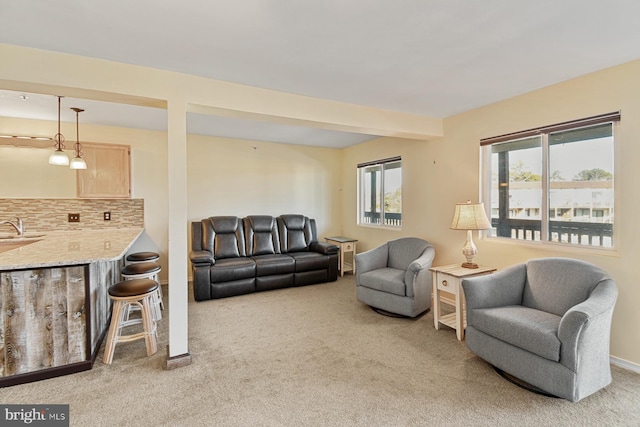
(323, 248)
(588, 325)
(502, 288)
(371, 260)
(201, 257)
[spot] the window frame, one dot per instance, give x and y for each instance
(361, 196)
(546, 217)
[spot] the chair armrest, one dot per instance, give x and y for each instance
(588, 325)
(371, 259)
(423, 262)
(323, 248)
(502, 288)
(201, 257)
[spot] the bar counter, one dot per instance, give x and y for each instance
(54, 295)
(58, 248)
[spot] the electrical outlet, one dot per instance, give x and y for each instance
(74, 217)
(107, 216)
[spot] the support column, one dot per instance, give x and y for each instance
(178, 349)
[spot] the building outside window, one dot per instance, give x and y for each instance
(380, 193)
(553, 184)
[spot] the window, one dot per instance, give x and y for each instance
(553, 184)
(380, 192)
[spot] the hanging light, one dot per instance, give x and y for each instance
(59, 157)
(77, 162)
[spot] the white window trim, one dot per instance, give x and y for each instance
(359, 195)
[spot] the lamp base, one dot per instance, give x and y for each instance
(469, 265)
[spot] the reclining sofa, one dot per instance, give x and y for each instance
(234, 256)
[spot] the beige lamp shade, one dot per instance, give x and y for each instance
(470, 216)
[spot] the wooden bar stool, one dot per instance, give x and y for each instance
(146, 270)
(142, 257)
(138, 293)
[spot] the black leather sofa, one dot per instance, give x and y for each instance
(234, 256)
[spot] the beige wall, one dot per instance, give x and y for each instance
(22, 173)
(237, 177)
(440, 173)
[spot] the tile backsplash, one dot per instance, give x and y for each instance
(53, 214)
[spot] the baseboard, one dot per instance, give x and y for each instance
(625, 364)
(178, 361)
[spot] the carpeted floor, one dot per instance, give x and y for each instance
(315, 356)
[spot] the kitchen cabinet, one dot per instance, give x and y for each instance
(108, 173)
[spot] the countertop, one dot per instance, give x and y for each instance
(57, 248)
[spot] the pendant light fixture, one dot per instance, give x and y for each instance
(59, 157)
(77, 162)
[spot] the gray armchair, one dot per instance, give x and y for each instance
(395, 277)
(546, 322)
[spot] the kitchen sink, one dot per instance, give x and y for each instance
(9, 242)
(15, 237)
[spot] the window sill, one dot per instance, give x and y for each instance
(555, 247)
(380, 227)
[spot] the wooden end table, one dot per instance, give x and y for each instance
(448, 278)
(345, 244)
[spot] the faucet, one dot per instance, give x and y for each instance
(17, 225)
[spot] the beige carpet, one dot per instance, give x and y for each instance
(315, 356)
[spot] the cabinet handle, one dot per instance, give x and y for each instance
(444, 283)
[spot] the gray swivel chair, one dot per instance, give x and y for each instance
(395, 277)
(546, 322)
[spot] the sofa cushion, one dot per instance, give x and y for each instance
(268, 265)
(261, 234)
(533, 330)
(227, 236)
(295, 233)
(229, 269)
(390, 280)
(309, 261)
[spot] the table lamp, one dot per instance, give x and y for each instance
(470, 216)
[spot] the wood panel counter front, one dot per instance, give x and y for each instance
(54, 305)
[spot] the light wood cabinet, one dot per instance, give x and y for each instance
(108, 173)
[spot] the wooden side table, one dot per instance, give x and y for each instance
(448, 278)
(346, 244)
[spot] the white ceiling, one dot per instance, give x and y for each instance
(430, 57)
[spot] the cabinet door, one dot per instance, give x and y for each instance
(108, 172)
